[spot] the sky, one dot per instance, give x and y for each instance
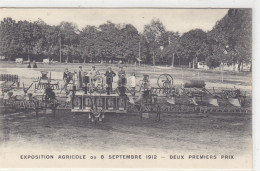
(181, 20)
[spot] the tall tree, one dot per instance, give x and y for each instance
(29, 33)
(52, 40)
(9, 42)
(232, 37)
(153, 34)
(69, 40)
(130, 43)
(107, 41)
(194, 46)
(171, 47)
(88, 46)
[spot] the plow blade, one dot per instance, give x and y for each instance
(131, 100)
(171, 100)
(139, 98)
(213, 101)
(193, 101)
(235, 102)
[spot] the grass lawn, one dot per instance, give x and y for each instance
(213, 78)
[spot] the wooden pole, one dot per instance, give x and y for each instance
(182, 74)
(60, 50)
(222, 77)
(139, 53)
(50, 78)
(153, 63)
(153, 59)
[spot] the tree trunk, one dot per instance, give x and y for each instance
(29, 57)
(153, 59)
(235, 66)
(173, 60)
(193, 63)
(84, 61)
(60, 49)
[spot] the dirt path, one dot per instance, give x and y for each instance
(181, 133)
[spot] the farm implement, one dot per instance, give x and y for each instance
(45, 81)
(97, 100)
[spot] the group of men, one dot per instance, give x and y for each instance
(82, 78)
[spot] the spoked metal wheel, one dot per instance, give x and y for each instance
(165, 82)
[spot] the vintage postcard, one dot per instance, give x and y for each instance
(146, 88)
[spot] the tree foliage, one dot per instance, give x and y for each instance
(229, 41)
(194, 46)
(232, 37)
(9, 46)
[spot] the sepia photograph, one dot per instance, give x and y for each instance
(145, 88)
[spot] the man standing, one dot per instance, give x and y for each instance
(132, 81)
(121, 82)
(85, 82)
(80, 74)
(93, 74)
(68, 79)
(121, 73)
(145, 88)
(65, 74)
(109, 77)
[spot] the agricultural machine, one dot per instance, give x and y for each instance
(17, 98)
(45, 81)
(97, 100)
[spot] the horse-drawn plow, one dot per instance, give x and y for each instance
(47, 96)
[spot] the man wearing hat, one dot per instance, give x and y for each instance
(121, 82)
(94, 73)
(86, 81)
(109, 77)
(145, 88)
(80, 76)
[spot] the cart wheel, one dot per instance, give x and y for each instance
(165, 81)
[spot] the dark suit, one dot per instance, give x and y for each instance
(109, 78)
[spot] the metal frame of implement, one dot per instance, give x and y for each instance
(192, 97)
